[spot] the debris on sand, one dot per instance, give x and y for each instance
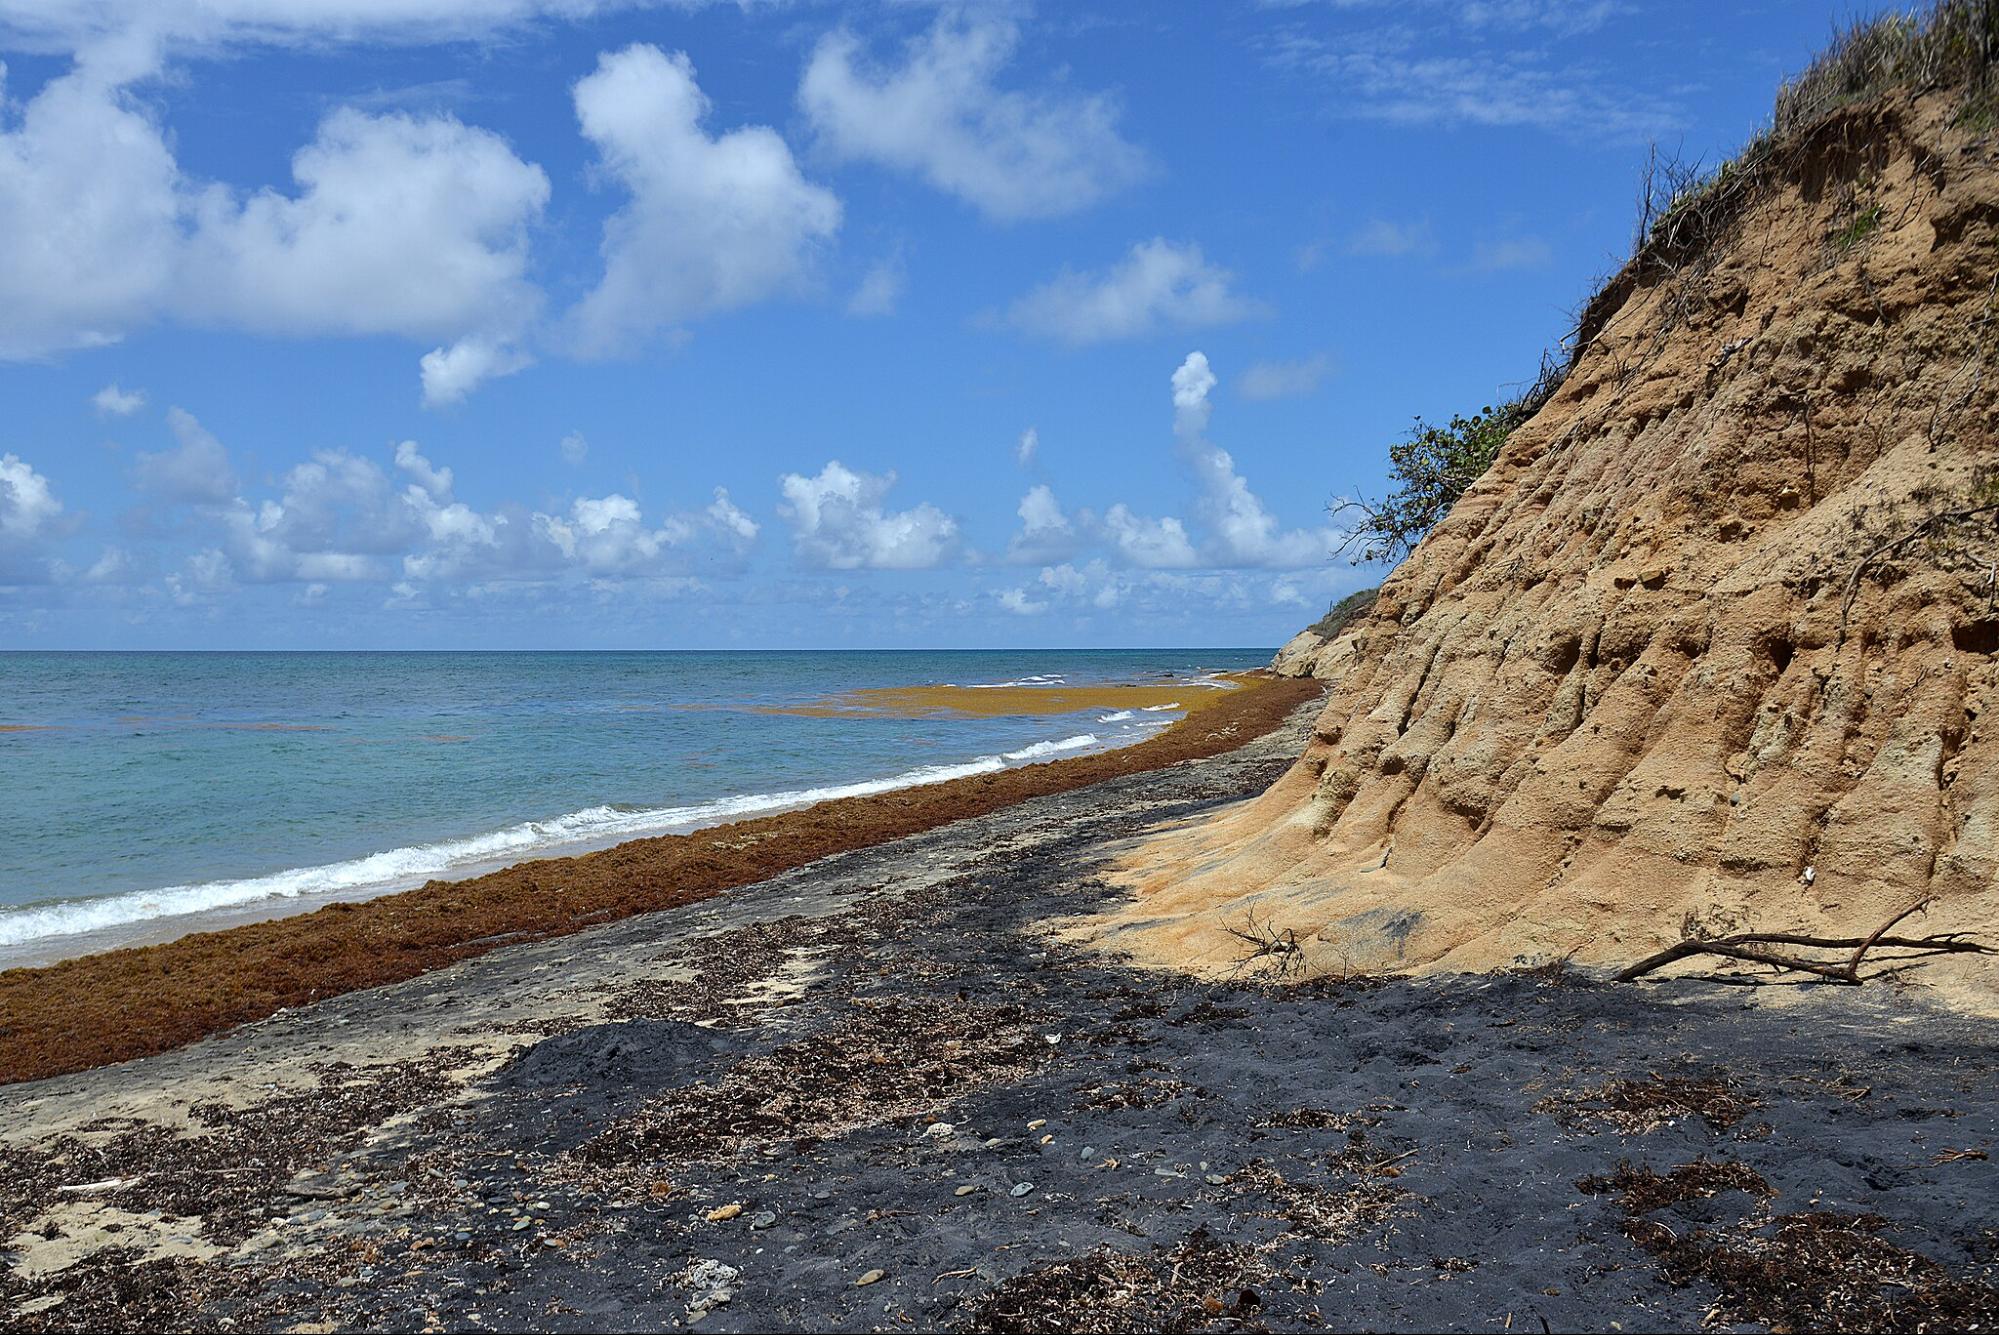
(709, 1284)
(1632, 1107)
(1196, 1284)
(1820, 1270)
(1641, 1190)
(886, 1060)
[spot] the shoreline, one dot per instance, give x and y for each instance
(113, 1006)
(160, 928)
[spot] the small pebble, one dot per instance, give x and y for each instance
(1037, 1124)
(1217, 1180)
(872, 1277)
(763, 1219)
(965, 1190)
(1022, 1188)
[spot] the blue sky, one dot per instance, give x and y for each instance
(577, 323)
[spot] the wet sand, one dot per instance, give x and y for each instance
(878, 1093)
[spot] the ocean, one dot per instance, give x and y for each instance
(144, 795)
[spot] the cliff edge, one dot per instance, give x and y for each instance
(1710, 647)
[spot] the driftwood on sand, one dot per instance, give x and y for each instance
(1762, 948)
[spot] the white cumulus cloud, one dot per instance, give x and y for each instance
(112, 401)
(712, 223)
(1046, 532)
(90, 202)
(838, 522)
(941, 115)
(1160, 285)
(434, 480)
(340, 517)
(1241, 530)
(1226, 526)
(400, 225)
(1020, 603)
(28, 505)
(1152, 543)
(451, 373)
(195, 472)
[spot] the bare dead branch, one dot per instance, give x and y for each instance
(1757, 948)
(1265, 942)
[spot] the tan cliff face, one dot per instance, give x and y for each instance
(1310, 654)
(1615, 691)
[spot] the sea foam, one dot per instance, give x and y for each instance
(404, 868)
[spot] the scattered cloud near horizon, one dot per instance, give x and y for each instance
(839, 521)
(1228, 526)
(344, 518)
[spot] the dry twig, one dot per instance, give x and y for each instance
(1892, 545)
(1756, 948)
(1266, 942)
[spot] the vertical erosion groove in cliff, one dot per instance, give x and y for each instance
(1711, 644)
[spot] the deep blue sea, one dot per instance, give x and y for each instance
(156, 793)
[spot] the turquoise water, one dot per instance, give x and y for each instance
(156, 793)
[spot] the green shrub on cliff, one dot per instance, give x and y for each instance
(1431, 468)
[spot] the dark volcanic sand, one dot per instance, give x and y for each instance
(537, 1138)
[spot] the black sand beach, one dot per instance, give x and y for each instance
(872, 1094)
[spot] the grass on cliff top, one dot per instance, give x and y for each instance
(1343, 614)
(1951, 45)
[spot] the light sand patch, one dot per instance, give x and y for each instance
(803, 966)
(73, 1230)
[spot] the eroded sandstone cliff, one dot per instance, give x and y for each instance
(1705, 645)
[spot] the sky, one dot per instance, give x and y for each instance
(384, 324)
